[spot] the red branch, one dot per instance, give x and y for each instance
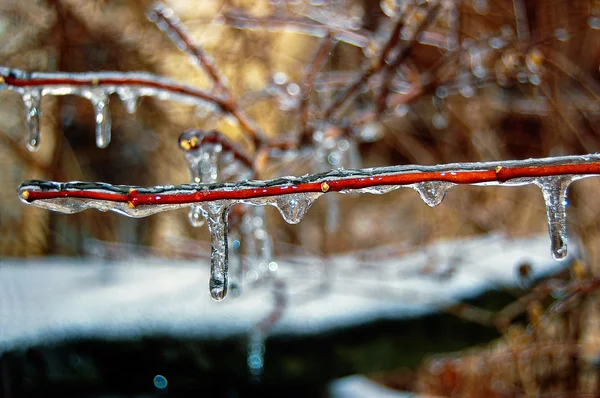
(321, 183)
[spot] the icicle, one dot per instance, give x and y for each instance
(217, 213)
(32, 99)
(433, 192)
(99, 101)
(293, 207)
(130, 98)
(554, 189)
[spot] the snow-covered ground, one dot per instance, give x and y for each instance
(52, 299)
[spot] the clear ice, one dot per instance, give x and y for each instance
(554, 189)
(216, 214)
(32, 99)
(433, 192)
(294, 206)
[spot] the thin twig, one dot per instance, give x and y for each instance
(320, 57)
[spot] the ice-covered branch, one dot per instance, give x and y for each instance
(293, 196)
(168, 22)
(97, 87)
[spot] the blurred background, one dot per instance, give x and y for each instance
(460, 300)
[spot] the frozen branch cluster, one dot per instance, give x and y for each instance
(332, 113)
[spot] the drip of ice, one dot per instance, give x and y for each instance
(389, 7)
(554, 189)
(130, 98)
(32, 99)
(99, 101)
(217, 213)
(433, 192)
(293, 207)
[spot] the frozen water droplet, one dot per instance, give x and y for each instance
(554, 189)
(195, 216)
(481, 7)
(594, 22)
(401, 110)
(99, 101)
(293, 207)
(280, 78)
(562, 34)
(32, 99)
(129, 98)
(216, 215)
(433, 192)
(439, 121)
(293, 89)
(389, 7)
(497, 42)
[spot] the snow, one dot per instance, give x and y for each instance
(52, 299)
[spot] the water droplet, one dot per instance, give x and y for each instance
(594, 22)
(433, 192)
(441, 92)
(481, 7)
(280, 78)
(389, 7)
(32, 99)
(554, 189)
(293, 207)
(467, 91)
(497, 43)
(195, 216)
(160, 382)
(439, 121)
(99, 101)
(130, 98)
(293, 89)
(562, 34)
